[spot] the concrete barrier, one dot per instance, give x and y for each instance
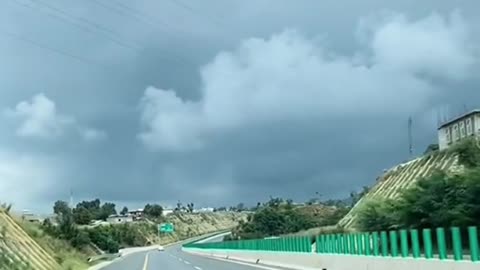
(311, 261)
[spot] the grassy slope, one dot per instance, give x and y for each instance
(67, 256)
(403, 176)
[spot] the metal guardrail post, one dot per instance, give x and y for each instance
(427, 243)
(368, 246)
(442, 247)
(457, 244)
(383, 236)
(375, 250)
(404, 242)
(473, 242)
(415, 243)
(351, 238)
(393, 244)
(346, 248)
(360, 244)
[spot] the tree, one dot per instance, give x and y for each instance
(154, 210)
(124, 211)
(274, 202)
(179, 206)
(82, 215)
(66, 226)
(61, 208)
(81, 239)
(190, 207)
(240, 207)
(106, 210)
(377, 216)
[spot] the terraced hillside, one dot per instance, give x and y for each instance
(402, 176)
(20, 249)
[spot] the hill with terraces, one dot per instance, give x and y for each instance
(19, 250)
(403, 176)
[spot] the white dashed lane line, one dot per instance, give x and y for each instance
(198, 268)
(186, 262)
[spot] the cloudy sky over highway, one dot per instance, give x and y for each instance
(219, 102)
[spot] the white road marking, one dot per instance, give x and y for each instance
(198, 268)
(186, 262)
(244, 263)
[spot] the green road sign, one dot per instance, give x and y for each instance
(166, 227)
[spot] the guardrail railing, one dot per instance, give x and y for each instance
(455, 243)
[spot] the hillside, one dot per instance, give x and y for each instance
(19, 249)
(27, 246)
(190, 225)
(403, 176)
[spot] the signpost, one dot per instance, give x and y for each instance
(165, 228)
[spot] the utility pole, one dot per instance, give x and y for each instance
(410, 140)
(71, 198)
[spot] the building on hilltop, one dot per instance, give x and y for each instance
(459, 128)
(119, 219)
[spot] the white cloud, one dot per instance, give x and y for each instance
(435, 45)
(163, 115)
(24, 178)
(40, 118)
(288, 77)
(92, 134)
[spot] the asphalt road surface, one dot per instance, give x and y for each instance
(174, 259)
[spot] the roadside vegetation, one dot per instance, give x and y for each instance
(442, 200)
(279, 217)
(74, 226)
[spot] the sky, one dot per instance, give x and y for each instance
(221, 102)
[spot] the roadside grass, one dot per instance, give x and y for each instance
(68, 257)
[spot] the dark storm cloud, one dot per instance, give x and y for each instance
(196, 146)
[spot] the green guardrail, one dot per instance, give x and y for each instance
(287, 244)
(454, 243)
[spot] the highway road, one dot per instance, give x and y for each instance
(174, 259)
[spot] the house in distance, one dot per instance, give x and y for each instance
(459, 128)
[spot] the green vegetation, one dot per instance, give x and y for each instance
(279, 217)
(441, 200)
(153, 211)
(68, 256)
(7, 260)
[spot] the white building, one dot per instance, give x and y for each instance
(119, 219)
(166, 212)
(204, 210)
(466, 125)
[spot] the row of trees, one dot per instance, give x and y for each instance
(86, 211)
(107, 238)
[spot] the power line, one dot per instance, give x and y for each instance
(95, 25)
(122, 12)
(140, 13)
(51, 49)
(80, 26)
(88, 22)
(117, 10)
(194, 11)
